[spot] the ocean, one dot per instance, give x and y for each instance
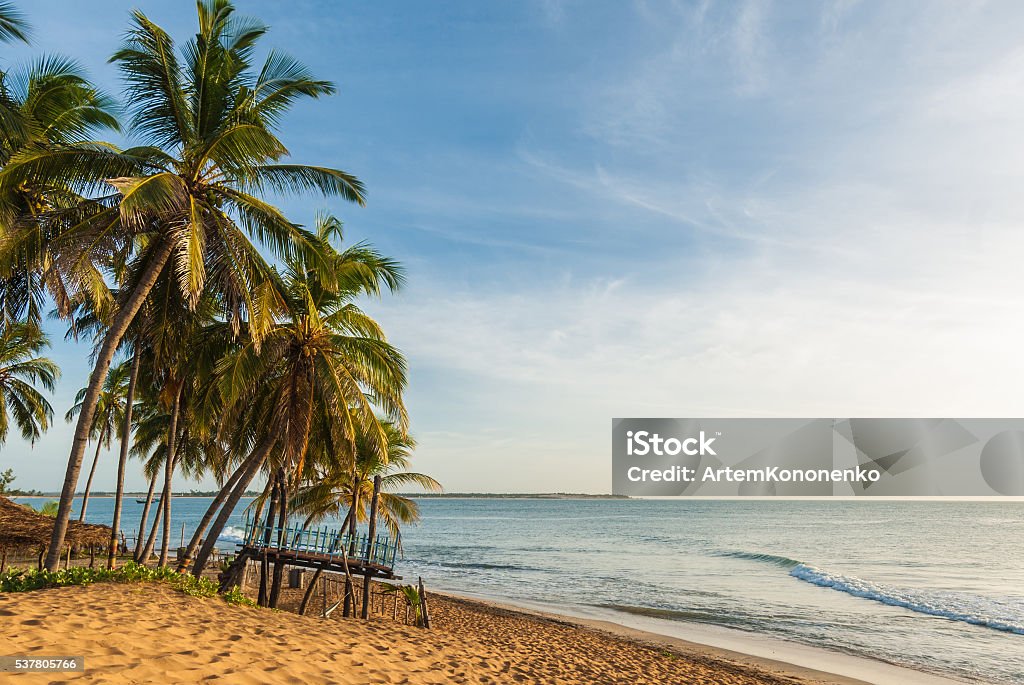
(934, 586)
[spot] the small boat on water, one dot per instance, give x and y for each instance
(156, 500)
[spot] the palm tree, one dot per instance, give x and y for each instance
(21, 369)
(107, 422)
(47, 104)
(12, 24)
(333, 491)
(324, 358)
(332, 487)
(190, 194)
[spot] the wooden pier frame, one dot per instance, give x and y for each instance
(323, 549)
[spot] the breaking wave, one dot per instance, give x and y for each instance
(784, 562)
(1005, 615)
(231, 534)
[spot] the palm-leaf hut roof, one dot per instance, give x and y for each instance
(23, 527)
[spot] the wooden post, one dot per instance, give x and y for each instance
(67, 564)
(264, 571)
(371, 534)
(3, 561)
(395, 615)
(423, 605)
(92, 556)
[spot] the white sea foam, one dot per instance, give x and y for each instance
(999, 614)
(231, 534)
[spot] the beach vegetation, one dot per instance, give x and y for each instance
(412, 598)
(236, 596)
(21, 580)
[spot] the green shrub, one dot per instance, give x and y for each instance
(18, 580)
(235, 596)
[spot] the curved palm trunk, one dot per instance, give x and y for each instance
(251, 467)
(165, 502)
(147, 551)
(309, 591)
(350, 604)
(113, 337)
(122, 459)
(165, 510)
(88, 482)
(197, 537)
(257, 514)
(145, 518)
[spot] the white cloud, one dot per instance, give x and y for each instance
(869, 266)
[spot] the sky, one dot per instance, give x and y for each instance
(676, 209)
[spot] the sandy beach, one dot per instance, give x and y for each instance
(151, 633)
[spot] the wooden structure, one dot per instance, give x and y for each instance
(331, 550)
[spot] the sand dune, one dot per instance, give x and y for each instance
(150, 633)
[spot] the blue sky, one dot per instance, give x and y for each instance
(650, 209)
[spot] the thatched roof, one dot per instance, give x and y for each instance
(22, 526)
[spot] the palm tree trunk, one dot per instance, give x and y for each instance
(197, 537)
(147, 552)
(309, 590)
(251, 466)
(282, 524)
(257, 514)
(350, 604)
(145, 518)
(370, 534)
(172, 443)
(118, 328)
(88, 481)
(263, 599)
(122, 459)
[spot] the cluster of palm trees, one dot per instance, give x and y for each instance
(227, 339)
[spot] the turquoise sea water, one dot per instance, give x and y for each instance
(936, 586)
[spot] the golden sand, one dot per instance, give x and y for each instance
(150, 633)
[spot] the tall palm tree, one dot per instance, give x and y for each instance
(324, 358)
(107, 422)
(190, 195)
(21, 369)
